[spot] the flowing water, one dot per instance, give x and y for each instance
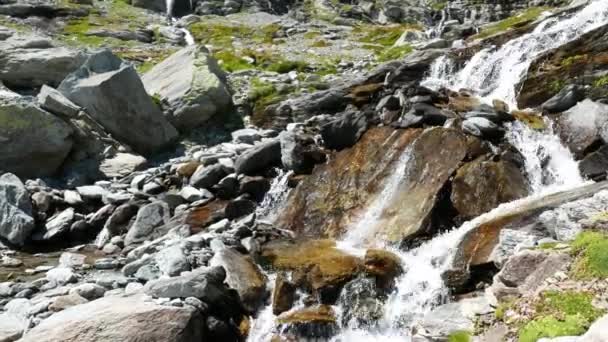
(549, 166)
(496, 72)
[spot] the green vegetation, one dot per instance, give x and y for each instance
(396, 52)
(262, 94)
(459, 336)
(591, 250)
(320, 43)
(439, 5)
(573, 60)
(381, 35)
(502, 309)
(523, 18)
(556, 85)
(560, 314)
(222, 35)
(601, 82)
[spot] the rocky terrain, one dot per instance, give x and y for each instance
(303, 170)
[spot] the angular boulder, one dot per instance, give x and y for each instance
(53, 101)
(483, 184)
(243, 275)
(125, 319)
(148, 223)
(259, 158)
(34, 143)
(192, 86)
(30, 61)
(112, 93)
(16, 221)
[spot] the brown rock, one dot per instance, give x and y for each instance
(243, 275)
(188, 168)
(64, 302)
(315, 314)
(533, 119)
(200, 217)
(384, 265)
(283, 295)
(483, 184)
(463, 103)
(500, 106)
(325, 266)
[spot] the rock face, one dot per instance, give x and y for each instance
(34, 142)
(30, 61)
(259, 158)
(244, 276)
(407, 213)
(127, 319)
(130, 116)
(323, 203)
(16, 222)
(191, 84)
(481, 185)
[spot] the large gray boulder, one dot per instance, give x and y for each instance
(148, 222)
(259, 158)
(192, 85)
(16, 222)
(32, 141)
(31, 61)
(112, 93)
(124, 319)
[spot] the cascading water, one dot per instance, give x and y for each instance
(279, 190)
(495, 73)
(188, 38)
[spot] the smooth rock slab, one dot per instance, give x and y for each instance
(120, 319)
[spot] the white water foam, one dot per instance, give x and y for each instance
(496, 73)
(275, 197)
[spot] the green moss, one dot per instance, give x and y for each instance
(395, 53)
(552, 327)
(262, 94)
(156, 99)
(502, 309)
(381, 35)
(459, 336)
(520, 19)
(231, 62)
(320, 43)
(222, 35)
(312, 34)
(591, 250)
(556, 85)
(601, 82)
(573, 60)
(560, 314)
(438, 5)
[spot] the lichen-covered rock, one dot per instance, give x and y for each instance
(191, 86)
(33, 142)
(130, 116)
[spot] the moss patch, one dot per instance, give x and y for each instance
(518, 20)
(222, 35)
(591, 250)
(459, 336)
(560, 314)
(601, 82)
(393, 53)
(381, 35)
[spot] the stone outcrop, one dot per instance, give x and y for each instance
(126, 319)
(34, 142)
(131, 117)
(16, 221)
(191, 87)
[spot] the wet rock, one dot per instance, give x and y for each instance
(35, 143)
(384, 265)
(71, 260)
(283, 295)
(481, 127)
(246, 136)
(258, 158)
(564, 99)
(131, 117)
(481, 185)
(318, 321)
(361, 302)
(345, 131)
(595, 165)
(299, 152)
(118, 318)
(326, 268)
(244, 276)
(477, 246)
(191, 84)
(16, 221)
(256, 186)
(91, 192)
(321, 205)
(239, 207)
(149, 223)
(580, 127)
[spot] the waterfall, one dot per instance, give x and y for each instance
(275, 197)
(187, 37)
(549, 164)
(169, 5)
(496, 73)
(437, 30)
